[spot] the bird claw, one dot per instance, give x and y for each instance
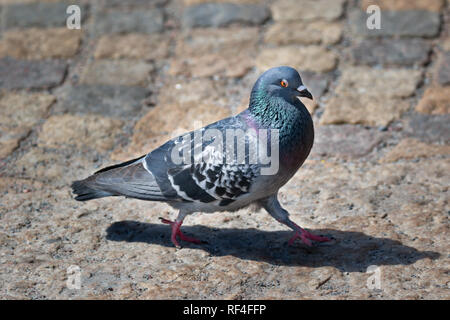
(163, 220)
(177, 232)
(306, 236)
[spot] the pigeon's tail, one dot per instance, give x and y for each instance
(130, 179)
(85, 190)
(92, 187)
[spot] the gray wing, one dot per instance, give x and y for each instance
(207, 182)
(129, 179)
(204, 175)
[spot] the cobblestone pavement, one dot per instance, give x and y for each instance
(139, 72)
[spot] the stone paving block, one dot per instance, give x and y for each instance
(223, 14)
(206, 90)
(141, 21)
(18, 74)
(429, 128)
(3, 2)
(133, 3)
(200, 41)
(18, 113)
(117, 72)
(16, 192)
(308, 58)
(292, 10)
(382, 83)
(344, 141)
(301, 32)
(57, 168)
(38, 14)
(388, 5)
(371, 96)
(213, 52)
(442, 70)
(410, 149)
(435, 100)
(191, 2)
(79, 131)
(212, 65)
(34, 43)
(412, 23)
(108, 101)
(362, 109)
(445, 44)
(390, 51)
(133, 46)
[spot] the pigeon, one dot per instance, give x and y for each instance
(202, 171)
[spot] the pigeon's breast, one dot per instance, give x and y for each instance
(296, 140)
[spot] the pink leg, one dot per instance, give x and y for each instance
(273, 207)
(306, 236)
(177, 232)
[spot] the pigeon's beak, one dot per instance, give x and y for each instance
(303, 92)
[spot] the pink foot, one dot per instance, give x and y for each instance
(305, 236)
(177, 232)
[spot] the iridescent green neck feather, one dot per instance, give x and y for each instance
(291, 118)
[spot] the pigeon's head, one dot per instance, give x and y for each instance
(281, 82)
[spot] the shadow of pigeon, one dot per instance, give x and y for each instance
(348, 252)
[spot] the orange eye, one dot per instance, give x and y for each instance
(284, 83)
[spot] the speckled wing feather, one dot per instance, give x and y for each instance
(208, 178)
